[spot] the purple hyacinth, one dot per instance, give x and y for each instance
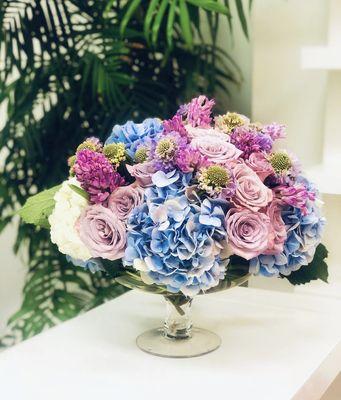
(175, 125)
(274, 130)
(250, 141)
(96, 175)
(198, 111)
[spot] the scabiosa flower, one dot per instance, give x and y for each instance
(96, 175)
(175, 124)
(229, 121)
(91, 143)
(142, 154)
(250, 141)
(217, 180)
(198, 111)
(166, 150)
(303, 235)
(284, 165)
(274, 130)
(115, 153)
(133, 135)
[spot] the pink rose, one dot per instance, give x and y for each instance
(124, 199)
(142, 173)
(215, 149)
(194, 132)
(248, 232)
(260, 165)
(250, 191)
(277, 227)
(102, 232)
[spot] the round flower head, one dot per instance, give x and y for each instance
(303, 235)
(115, 153)
(133, 135)
(229, 121)
(166, 149)
(91, 143)
(216, 180)
(68, 207)
(176, 243)
(284, 164)
(141, 154)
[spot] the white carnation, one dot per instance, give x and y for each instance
(68, 208)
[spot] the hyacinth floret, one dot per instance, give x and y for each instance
(198, 111)
(249, 141)
(96, 175)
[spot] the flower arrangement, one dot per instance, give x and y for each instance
(186, 205)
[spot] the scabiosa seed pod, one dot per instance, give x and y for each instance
(115, 153)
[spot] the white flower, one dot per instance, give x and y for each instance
(68, 208)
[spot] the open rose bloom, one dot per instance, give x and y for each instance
(189, 203)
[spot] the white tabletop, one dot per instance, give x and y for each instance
(276, 346)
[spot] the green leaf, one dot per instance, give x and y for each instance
(79, 191)
(39, 207)
(242, 17)
(170, 22)
(185, 24)
(210, 6)
(128, 15)
(317, 269)
(158, 20)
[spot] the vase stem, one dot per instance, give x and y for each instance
(178, 322)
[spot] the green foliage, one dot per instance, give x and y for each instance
(317, 269)
(70, 69)
(39, 207)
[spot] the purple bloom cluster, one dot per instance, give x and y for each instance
(250, 141)
(96, 175)
(198, 111)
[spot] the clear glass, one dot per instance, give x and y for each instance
(177, 338)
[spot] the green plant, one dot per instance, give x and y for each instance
(70, 70)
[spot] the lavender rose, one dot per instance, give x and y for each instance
(248, 232)
(142, 173)
(194, 132)
(260, 165)
(215, 149)
(250, 191)
(277, 227)
(102, 232)
(124, 199)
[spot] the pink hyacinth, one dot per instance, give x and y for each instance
(189, 159)
(96, 175)
(250, 141)
(198, 111)
(274, 130)
(175, 125)
(295, 196)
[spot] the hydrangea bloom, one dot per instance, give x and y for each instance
(133, 135)
(96, 175)
(175, 243)
(93, 264)
(304, 234)
(64, 233)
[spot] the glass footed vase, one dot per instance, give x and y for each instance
(177, 338)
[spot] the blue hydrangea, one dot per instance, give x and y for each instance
(174, 242)
(93, 264)
(133, 135)
(304, 234)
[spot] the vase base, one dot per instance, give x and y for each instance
(201, 342)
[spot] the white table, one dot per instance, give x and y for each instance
(276, 346)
